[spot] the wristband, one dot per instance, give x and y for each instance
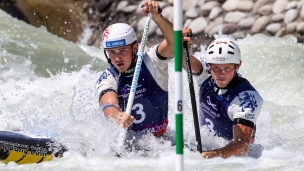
(105, 106)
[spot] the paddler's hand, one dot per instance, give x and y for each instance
(187, 35)
(124, 119)
(187, 39)
(151, 7)
(208, 154)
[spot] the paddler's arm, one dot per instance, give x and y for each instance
(110, 107)
(165, 49)
(239, 146)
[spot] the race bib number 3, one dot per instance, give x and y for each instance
(139, 111)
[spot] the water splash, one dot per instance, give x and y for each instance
(65, 105)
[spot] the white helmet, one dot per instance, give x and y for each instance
(223, 51)
(117, 35)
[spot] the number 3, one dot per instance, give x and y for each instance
(139, 112)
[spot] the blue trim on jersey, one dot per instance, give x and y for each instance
(104, 75)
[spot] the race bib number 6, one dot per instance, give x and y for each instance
(139, 111)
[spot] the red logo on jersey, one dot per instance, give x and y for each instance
(106, 33)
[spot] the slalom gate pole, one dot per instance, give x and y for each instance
(178, 91)
(192, 95)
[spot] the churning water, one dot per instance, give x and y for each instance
(47, 86)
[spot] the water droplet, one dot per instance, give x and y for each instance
(66, 60)
(17, 87)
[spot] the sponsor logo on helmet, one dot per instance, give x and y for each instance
(106, 33)
(219, 58)
(116, 43)
(221, 42)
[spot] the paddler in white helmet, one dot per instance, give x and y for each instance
(150, 107)
(228, 104)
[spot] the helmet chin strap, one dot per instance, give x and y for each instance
(108, 59)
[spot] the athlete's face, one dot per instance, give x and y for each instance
(121, 57)
(223, 73)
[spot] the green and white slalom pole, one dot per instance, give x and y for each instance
(178, 59)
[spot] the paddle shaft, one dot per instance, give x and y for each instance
(140, 55)
(192, 95)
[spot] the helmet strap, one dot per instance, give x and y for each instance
(131, 69)
(234, 70)
(108, 59)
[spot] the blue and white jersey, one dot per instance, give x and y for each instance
(220, 109)
(150, 106)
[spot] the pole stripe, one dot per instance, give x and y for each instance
(178, 50)
(179, 133)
